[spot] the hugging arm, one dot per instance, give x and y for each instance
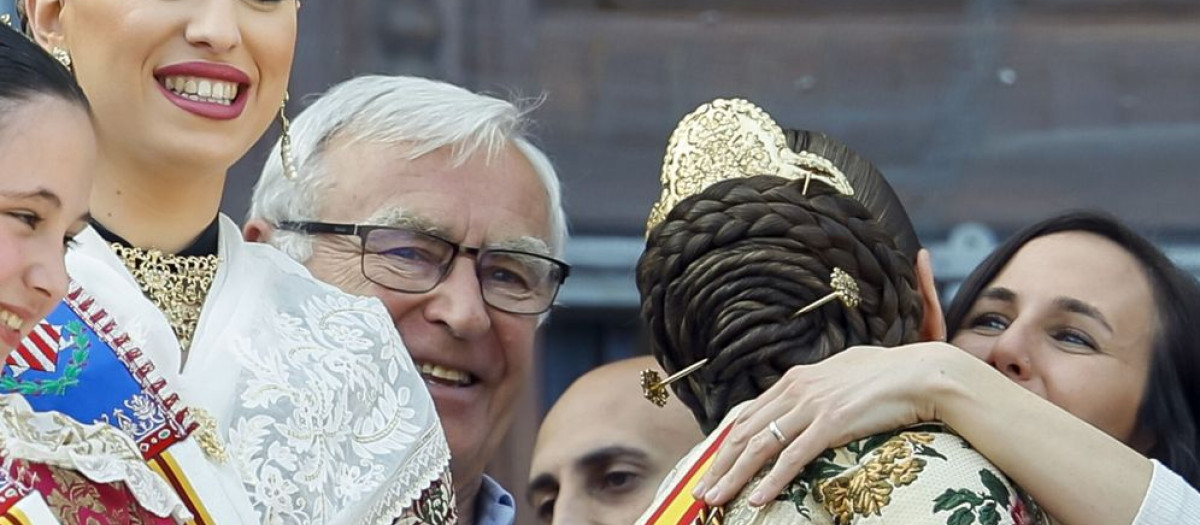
(1077, 473)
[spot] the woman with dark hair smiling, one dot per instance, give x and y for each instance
(1074, 317)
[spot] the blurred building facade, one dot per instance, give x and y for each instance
(989, 112)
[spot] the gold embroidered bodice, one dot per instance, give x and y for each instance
(176, 284)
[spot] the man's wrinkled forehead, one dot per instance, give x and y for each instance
(398, 217)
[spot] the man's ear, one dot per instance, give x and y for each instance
(45, 22)
(257, 230)
(933, 327)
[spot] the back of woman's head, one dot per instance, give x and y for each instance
(870, 188)
(28, 72)
(1170, 408)
(723, 275)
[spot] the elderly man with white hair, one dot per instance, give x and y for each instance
(431, 198)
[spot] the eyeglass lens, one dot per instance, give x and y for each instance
(414, 262)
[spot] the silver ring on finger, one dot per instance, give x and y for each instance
(779, 436)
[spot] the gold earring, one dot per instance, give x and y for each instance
(285, 142)
(654, 388)
(62, 56)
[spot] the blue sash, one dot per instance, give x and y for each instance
(80, 363)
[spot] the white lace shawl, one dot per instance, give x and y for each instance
(323, 414)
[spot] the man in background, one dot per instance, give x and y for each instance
(603, 448)
(430, 197)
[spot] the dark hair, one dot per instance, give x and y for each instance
(723, 274)
(27, 72)
(1170, 403)
(870, 188)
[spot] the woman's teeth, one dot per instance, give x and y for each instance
(10, 319)
(202, 89)
(446, 374)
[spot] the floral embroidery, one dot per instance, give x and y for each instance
(76, 499)
(78, 458)
(436, 505)
(896, 477)
(325, 418)
(868, 489)
(981, 507)
(72, 497)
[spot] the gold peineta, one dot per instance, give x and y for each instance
(729, 139)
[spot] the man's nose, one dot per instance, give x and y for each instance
(458, 302)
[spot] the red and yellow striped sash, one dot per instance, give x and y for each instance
(680, 508)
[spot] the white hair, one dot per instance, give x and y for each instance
(425, 115)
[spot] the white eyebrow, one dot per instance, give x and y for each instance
(400, 218)
(527, 244)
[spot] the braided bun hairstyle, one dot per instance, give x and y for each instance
(870, 188)
(723, 274)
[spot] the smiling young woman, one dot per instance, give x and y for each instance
(248, 384)
(48, 146)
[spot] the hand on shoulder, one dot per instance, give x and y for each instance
(857, 393)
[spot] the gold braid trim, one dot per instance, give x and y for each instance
(176, 284)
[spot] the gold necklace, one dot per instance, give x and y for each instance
(176, 284)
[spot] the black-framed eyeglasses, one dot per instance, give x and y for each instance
(410, 261)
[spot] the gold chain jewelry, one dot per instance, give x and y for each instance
(176, 284)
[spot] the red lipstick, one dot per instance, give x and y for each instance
(210, 71)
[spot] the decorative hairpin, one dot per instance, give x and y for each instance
(654, 388)
(731, 139)
(845, 288)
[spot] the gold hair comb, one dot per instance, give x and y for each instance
(730, 139)
(845, 288)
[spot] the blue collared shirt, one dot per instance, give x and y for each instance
(494, 505)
